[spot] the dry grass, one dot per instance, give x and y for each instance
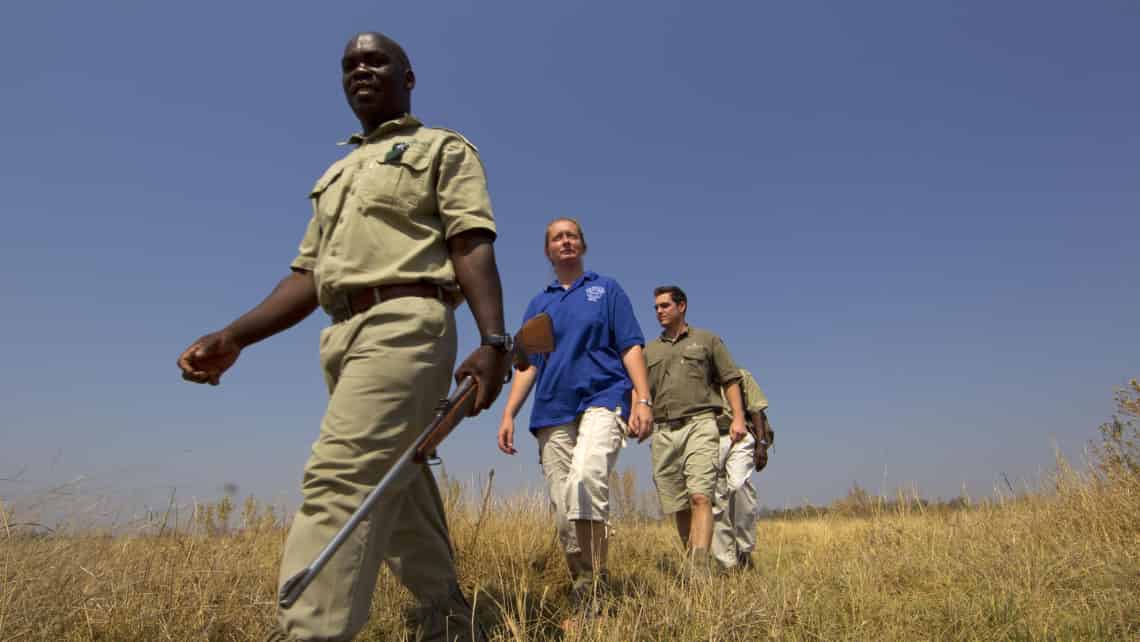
(1060, 564)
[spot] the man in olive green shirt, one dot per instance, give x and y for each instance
(401, 230)
(735, 503)
(687, 369)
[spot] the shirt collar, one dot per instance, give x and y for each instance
(403, 122)
(555, 286)
(684, 333)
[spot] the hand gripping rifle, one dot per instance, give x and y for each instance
(535, 337)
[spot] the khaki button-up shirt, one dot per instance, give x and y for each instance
(754, 399)
(382, 214)
(686, 374)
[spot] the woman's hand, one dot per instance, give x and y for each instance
(507, 435)
(641, 422)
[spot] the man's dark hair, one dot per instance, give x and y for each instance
(674, 292)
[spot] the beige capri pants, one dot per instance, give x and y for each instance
(577, 459)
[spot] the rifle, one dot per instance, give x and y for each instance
(535, 337)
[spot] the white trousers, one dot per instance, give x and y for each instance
(734, 503)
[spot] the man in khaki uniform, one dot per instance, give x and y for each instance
(687, 369)
(734, 506)
(401, 230)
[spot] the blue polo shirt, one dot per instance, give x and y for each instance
(593, 325)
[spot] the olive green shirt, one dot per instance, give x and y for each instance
(383, 213)
(754, 399)
(686, 374)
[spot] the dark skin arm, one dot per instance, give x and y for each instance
(763, 430)
(473, 255)
(294, 298)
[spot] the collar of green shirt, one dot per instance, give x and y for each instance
(684, 332)
(407, 120)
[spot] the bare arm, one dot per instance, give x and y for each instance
(736, 402)
(294, 298)
(640, 415)
(520, 390)
(634, 361)
(473, 255)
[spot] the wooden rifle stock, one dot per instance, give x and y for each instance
(536, 336)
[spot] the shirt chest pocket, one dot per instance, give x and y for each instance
(327, 196)
(653, 364)
(695, 362)
(397, 181)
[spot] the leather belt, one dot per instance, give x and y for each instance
(351, 303)
(674, 424)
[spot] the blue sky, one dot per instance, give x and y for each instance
(915, 222)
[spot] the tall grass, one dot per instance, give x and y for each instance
(1056, 564)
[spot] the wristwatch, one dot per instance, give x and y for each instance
(501, 342)
(645, 402)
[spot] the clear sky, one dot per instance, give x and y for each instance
(917, 223)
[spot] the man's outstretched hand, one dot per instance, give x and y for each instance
(208, 358)
(294, 298)
(488, 365)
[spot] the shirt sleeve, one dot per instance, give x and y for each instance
(726, 371)
(754, 398)
(625, 331)
(307, 253)
(461, 190)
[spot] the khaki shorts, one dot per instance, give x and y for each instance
(577, 459)
(684, 461)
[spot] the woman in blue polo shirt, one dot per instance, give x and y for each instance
(588, 388)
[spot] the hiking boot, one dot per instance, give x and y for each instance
(744, 561)
(449, 619)
(589, 587)
(277, 635)
(700, 564)
(587, 599)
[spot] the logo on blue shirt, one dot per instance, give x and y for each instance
(594, 293)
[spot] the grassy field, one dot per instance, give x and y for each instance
(1062, 563)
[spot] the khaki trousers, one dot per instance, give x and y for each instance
(386, 370)
(734, 504)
